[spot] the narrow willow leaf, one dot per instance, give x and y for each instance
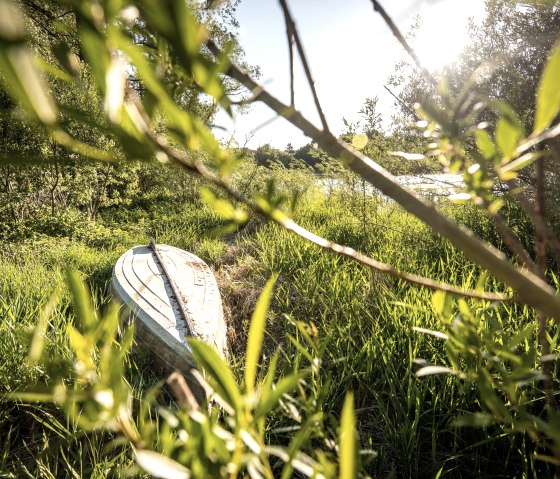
(31, 396)
(219, 372)
(18, 68)
(38, 340)
(220, 206)
(437, 334)
(477, 419)
(82, 349)
(520, 162)
(159, 465)
(81, 299)
(12, 29)
(443, 304)
(284, 386)
(96, 52)
(548, 93)
(115, 82)
(64, 139)
(459, 197)
(490, 397)
(26, 84)
(485, 144)
(256, 334)
(430, 370)
(507, 136)
(347, 439)
(496, 206)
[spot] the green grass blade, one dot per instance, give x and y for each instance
(220, 373)
(347, 439)
(256, 334)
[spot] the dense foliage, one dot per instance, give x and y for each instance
(338, 368)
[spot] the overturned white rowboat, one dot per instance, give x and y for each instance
(170, 295)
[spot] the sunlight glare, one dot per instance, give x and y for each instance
(442, 37)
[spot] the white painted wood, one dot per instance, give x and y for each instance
(140, 284)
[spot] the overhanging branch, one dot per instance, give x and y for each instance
(529, 288)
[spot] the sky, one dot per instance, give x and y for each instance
(351, 53)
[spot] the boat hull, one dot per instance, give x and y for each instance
(148, 285)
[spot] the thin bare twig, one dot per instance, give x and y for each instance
(399, 36)
(511, 241)
(535, 140)
(403, 104)
(540, 248)
(290, 225)
(529, 288)
(290, 37)
(538, 220)
(303, 58)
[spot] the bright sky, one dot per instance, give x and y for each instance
(351, 53)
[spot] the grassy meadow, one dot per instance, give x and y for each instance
(362, 324)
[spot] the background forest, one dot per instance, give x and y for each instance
(357, 372)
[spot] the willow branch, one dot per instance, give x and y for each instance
(529, 288)
(303, 58)
(508, 236)
(540, 248)
(535, 140)
(399, 36)
(538, 220)
(292, 226)
(511, 241)
(290, 37)
(403, 104)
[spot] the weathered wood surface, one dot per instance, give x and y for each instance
(162, 321)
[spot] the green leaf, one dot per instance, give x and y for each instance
(96, 52)
(485, 144)
(38, 340)
(507, 136)
(81, 299)
(548, 92)
(83, 349)
(26, 84)
(284, 386)
(12, 29)
(477, 419)
(431, 370)
(495, 206)
(347, 439)
(159, 465)
(31, 396)
(218, 371)
(442, 304)
(520, 162)
(18, 68)
(222, 207)
(256, 334)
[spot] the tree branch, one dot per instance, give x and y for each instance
(304, 62)
(538, 220)
(290, 225)
(403, 104)
(290, 37)
(529, 288)
(399, 36)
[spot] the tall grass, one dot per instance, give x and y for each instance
(363, 323)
